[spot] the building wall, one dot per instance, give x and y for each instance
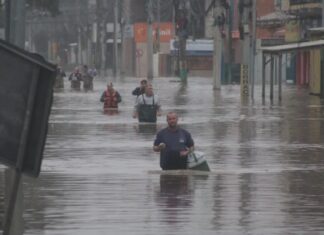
(315, 72)
(140, 38)
(308, 63)
(308, 14)
(295, 4)
(292, 29)
(265, 7)
(285, 5)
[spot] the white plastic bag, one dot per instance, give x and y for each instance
(197, 161)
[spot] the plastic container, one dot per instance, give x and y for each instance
(197, 161)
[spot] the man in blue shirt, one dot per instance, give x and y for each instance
(174, 144)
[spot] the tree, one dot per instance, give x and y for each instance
(51, 6)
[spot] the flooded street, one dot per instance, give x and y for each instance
(100, 175)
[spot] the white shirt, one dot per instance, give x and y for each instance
(148, 100)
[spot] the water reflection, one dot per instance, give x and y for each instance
(181, 97)
(304, 200)
(246, 201)
(110, 112)
(174, 196)
(218, 202)
(247, 135)
(176, 200)
(147, 129)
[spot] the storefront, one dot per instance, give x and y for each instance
(199, 56)
(161, 64)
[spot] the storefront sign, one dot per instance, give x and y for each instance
(140, 32)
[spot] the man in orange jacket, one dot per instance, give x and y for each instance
(110, 97)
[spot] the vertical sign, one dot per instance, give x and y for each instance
(244, 80)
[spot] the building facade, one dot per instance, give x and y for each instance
(307, 14)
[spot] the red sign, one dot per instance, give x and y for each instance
(140, 32)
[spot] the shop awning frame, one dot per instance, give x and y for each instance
(277, 52)
(281, 49)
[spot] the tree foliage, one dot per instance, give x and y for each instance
(51, 6)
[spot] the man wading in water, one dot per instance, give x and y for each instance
(147, 106)
(141, 89)
(110, 97)
(174, 144)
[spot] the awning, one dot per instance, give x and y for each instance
(316, 29)
(292, 47)
(274, 19)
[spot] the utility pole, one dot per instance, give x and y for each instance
(158, 26)
(244, 8)
(127, 62)
(103, 37)
(322, 53)
(246, 40)
(230, 41)
(78, 6)
(252, 47)
(122, 41)
(218, 45)
(322, 13)
(182, 34)
(149, 40)
(97, 35)
(115, 58)
(88, 38)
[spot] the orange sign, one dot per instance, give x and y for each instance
(140, 32)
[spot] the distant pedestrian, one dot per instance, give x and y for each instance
(75, 78)
(141, 89)
(59, 81)
(174, 144)
(93, 72)
(110, 97)
(147, 106)
(87, 79)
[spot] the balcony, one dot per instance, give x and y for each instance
(305, 9)
(299, 2)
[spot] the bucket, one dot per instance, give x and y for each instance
(197, 161)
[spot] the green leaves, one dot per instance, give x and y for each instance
(51, 6)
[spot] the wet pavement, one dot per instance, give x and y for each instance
(101, 176)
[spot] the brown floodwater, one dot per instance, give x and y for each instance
(100, 176)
